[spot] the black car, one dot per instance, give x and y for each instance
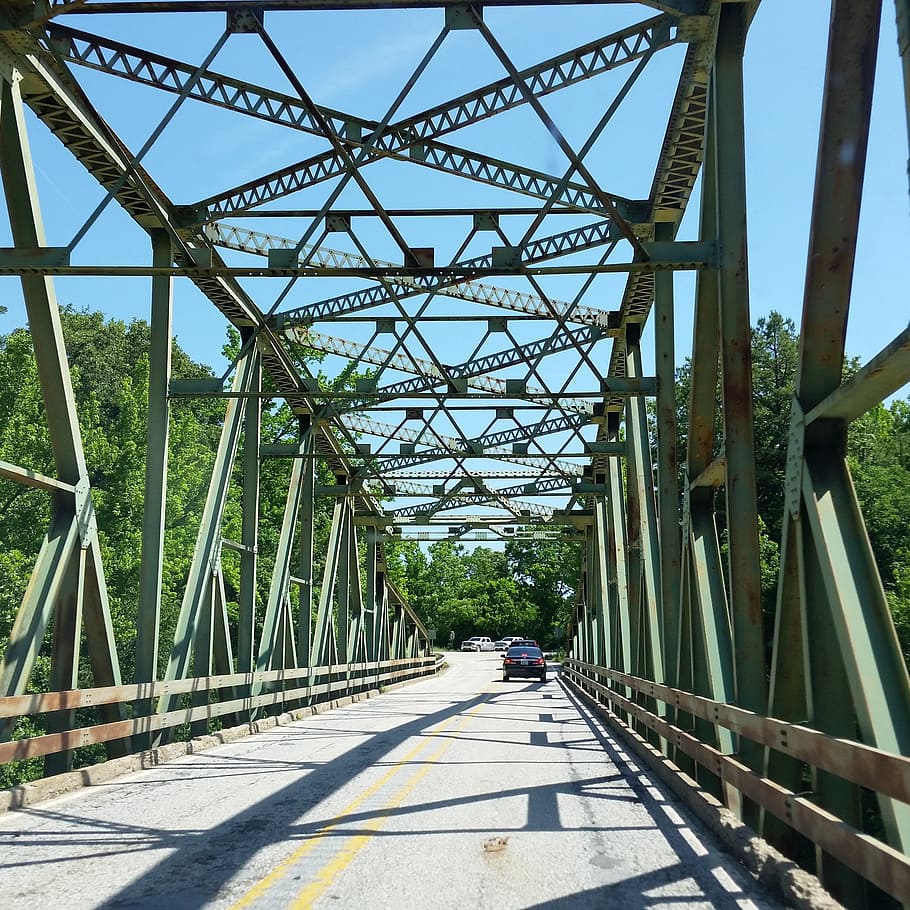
(524, 660)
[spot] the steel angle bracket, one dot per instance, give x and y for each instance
(86, 523)
(793, 481)
(463, 15)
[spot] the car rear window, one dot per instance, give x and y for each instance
(522, 650)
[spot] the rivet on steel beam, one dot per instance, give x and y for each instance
(793, 480)
(506, 257)
(421, 257)
(463, 16)
(244, 20)
(280, 258)
(337, 223)
(486, 221)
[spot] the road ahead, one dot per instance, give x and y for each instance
(456, 792)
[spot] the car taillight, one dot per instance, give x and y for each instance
(539, 661)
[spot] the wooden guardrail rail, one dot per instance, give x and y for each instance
(881, 772)
(314, 684)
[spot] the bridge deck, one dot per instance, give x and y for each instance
(458, 791)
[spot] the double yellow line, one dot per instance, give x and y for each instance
(354, 844)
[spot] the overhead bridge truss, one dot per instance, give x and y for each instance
(488, 339)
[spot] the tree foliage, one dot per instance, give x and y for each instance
(527, 589)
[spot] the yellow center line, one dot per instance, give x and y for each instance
(353, 844)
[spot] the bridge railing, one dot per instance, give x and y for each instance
(884, 773)
(238, 698)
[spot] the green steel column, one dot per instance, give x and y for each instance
(642, 518)
(207, 552)
(397, 621)
(667, 460)
(203, 642)
(59, 565)
(385, 636)
(604, 617)
(736, 355)
(345, 570)
(903, 46)
(355, 631)
(849, 582)
(709, 647)
(272, 644)
(586, 610)
(305, 553)
(624, 636)
(371, 606)
(153, 515)
(67, 636)
(249, 503)
(595, 605)
(323, 636)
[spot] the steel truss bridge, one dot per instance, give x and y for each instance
(495, 329)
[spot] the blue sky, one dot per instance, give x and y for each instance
(360, 65)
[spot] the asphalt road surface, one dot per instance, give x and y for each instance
(460, 791)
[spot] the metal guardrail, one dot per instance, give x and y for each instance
(882, 772)
(311, 684)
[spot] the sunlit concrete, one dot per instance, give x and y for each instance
(459, 791)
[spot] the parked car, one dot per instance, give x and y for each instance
(527, 642)
(478, 643)
(524, 660)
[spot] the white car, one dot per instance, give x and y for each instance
(478, 643)
(505, 643)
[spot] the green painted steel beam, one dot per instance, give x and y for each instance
(154, 503)
(728, 133)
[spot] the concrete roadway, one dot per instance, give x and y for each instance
(460, 791)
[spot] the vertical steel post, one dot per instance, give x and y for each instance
(709, 646)
(642, 519)
(305, 551)
(323, 637)
(602, 572)
(667, 460)
(203, 640)
(624, 636)
(249, 504)
(207, 552)
(592, 596)
(371, 606)
(736, 356)
(343, 613)
(153, 514)
(271, 652)
(60, 565)
(903, 46)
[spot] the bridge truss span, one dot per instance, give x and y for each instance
(449, 243)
